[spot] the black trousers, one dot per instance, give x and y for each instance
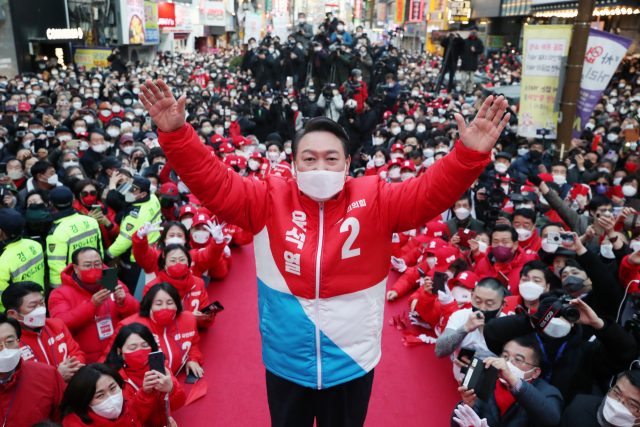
(293, 405)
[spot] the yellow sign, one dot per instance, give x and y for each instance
(91, 56)
(400, 11)
(544, 48)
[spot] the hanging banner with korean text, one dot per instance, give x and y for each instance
(603, 55)
(151, 31)
(416, 10)
(399, 18)
(252, 26)
(544, 48)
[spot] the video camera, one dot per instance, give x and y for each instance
(496, 197)
(632, 325)
(327, 91)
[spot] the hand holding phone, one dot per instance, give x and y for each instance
(465, 236)
(214, 308)
(156, 361)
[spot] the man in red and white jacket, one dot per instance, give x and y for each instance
(43, 340)
(322, 244)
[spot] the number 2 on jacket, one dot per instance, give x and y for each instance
(352, 223)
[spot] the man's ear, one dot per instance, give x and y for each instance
(348, 163)
(12, 313)
(536, 373)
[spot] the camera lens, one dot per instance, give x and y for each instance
(570, 313)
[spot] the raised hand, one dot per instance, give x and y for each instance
(483, 132)
(163, 108)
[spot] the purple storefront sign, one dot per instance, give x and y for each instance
(604, 53)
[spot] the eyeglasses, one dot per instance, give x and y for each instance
(631, 406)
(89, 193)
(10, 343)
(516, 360)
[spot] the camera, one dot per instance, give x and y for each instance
(567, 311)
(327, 91)
(560, 238)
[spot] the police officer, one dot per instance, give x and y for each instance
(143, 206)
(20, 259)
(70, 231)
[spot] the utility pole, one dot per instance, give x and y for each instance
(573, 75)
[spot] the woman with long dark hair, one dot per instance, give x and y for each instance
(130, 356)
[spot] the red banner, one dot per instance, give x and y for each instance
(357, 13)
(416, 10)
(166, 15)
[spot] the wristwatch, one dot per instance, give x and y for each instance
(613, 239)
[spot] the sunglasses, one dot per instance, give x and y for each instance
(89, 193)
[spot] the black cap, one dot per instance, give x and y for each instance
(504, 155)
(61, 197)
(141, 182)
(11, 222)
(548, 258)
(274, 137)
(110, 162)
(62, 129)
(35, 121)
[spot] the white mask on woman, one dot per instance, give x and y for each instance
(110, 408)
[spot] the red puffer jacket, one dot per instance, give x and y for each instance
(72, 304)
(322, 267)
(487, 267)
(432, 311)
(153, 412)
(178, 339)
(130, 417)
(52, 345)
(36, 398)
(191, 289)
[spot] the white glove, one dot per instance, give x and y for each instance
(466, 417)
(370, 163)
(445, 297)
(215, 231)
(427, 340)
(227, 252)
(398, 264)
(417, 320)
(148, 228)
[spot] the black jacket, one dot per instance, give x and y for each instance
(117, 64)
(582, 364)
(90, 161)
(368, 122)
(469, 58)
(583, 412)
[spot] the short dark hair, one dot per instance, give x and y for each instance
(563, 164)
(162, 258)
(526, 213)
(540, 266)
(147, 300)
(530, 341)
(163, 236)
(633, 375)
(597, 201)
(14, 294)
(571, 263)
(321, 124)
(390, 76)
(82, 387)
(551, 224)
(536, 142)
(115, 360)
(494, 284)
(505, 227)
(13, 322)
(40, 168)
(77, 252)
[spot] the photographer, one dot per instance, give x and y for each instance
(318, 58)
(360, 38)
(350, 122)
(292, 63)
(453, 43)
(362, 61)
(369, 120)
(354, 88)
(309, 105)
(331, 101)
(303, 31)
(392, 91)
(339, 60)
(117, 63)
(265, 66)
(341, 35)
(571, 364)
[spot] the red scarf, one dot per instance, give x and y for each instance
(504, 398)
(182, 286)
(135, 376)
(533, 243)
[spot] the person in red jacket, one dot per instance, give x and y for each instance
(130, 357)
(43, 340)
(413, 252)
(90, 312)
(435, 310)
(505, 259)
(377, 164)
(630, 272)
(234, 128)
(29, 392)
(200, 76)
(355, 88)
(258, 166)
(313, 259)
(173, 268)
(203, 222)
(411, 275)
(169, 199)
(535, 279)
(174, 329)
(524, 221)
(95, 398)
(88, 193)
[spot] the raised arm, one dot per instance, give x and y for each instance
(415, 202)
(239, 201)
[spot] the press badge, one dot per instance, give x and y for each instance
(105, 327)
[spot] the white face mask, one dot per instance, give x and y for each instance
(530, 291)
(394, 173)
(187, 222)
(461, 295)
(617, 414)
(254, 165)
(153, 188)
(84, 146)
(462, 213)
(607, 251)
(522, 151)
(560, 179)
(635, 245)
(377, 141)
(320, 185)
(219, 130)
(501, 167)
(421, 128)
(273, 156)
(517, 372)
(400, 118)
(428, 152)
(557, 328)
(110, 408)
(128, 150)
(116, 109)
(175, 241)
(77, 105)
(15, 175)
(409, 127)
(617, 181)
(405, 176)
(129, 197)
(89, 120)
(9, 359)
(200, 236)
(287, 151)
(378, 161)
(138, 111)
(549, 248)
(629, 191)
(113, 133)
(396, 156)
(53, 179)
(98, 148)
(36, 318)
(395, 130)
(482, 247)
(523, 234)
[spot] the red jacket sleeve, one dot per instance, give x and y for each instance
(237, 200)
(73, 349)
(448, 310)
(144, 403)
(415, 202)
(428, 306)
(629, 272)
(241, 237)
(75, 317)
(129, 306)
(204, 301)
(165, 173)
(411, 258)
(407, 281)
(208, 258)
(59, 386)
(145, 255)
(194, 351)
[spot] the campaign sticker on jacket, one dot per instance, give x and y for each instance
(105, 326)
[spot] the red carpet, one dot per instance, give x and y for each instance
(412, 387)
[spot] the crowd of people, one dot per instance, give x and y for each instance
(533, 271)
